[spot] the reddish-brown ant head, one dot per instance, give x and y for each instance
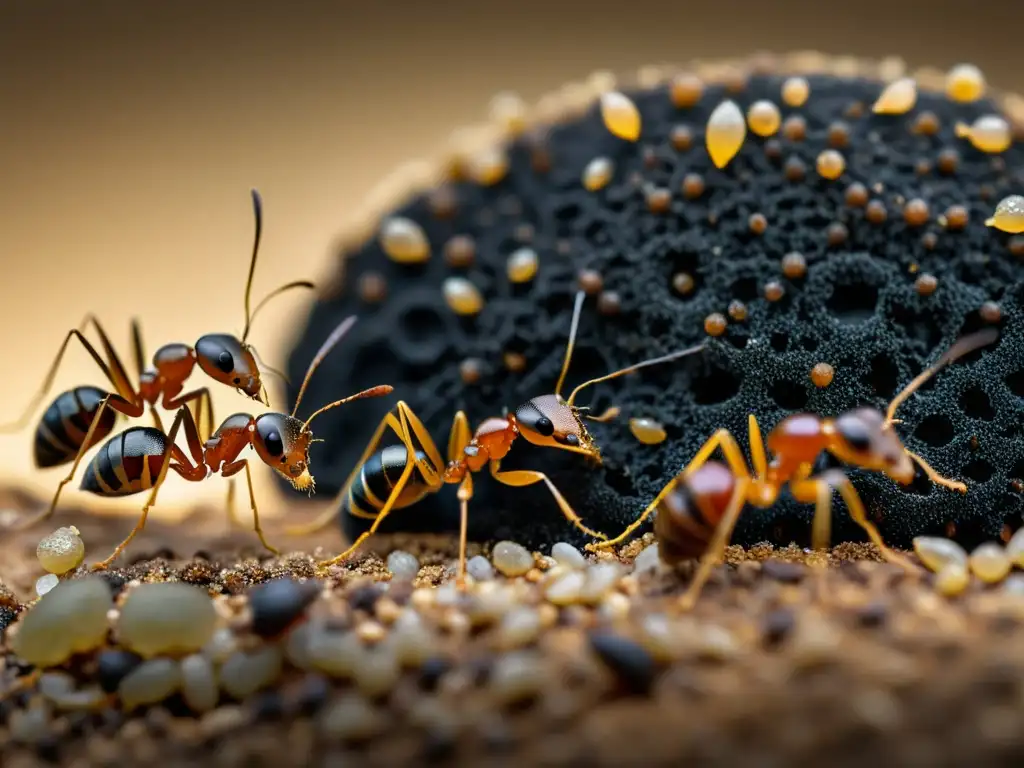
(862, 438)
(227, 360)
(550, 421)
(282, 442)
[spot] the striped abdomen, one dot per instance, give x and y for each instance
(61, 430)
(688, 515)
(127, 463)
(376, 479)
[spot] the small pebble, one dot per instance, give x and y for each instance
(410, 640)
(351, 718)
(517, 676)
(647, 431)
(333, 653)
(1015, 548)
(601, 579)
(403, 565)
(777, 626)
(377, 673)
(480, 568)
(243, 674)
(278, 604)
(519, 627)
(952, 579)
(199, 683)
(566, 588)
(71, 618)
(647, 560)
(113, 665)
(783, 570)
(166, 618)
(936, 553)
(61, 551)
(990, 563)
(566, 554)
(632, 665)
(221, 645)
(511, 559)
(45, 583)
(149, 683)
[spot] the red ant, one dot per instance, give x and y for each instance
(137, 459)
(699, 507)
(400, 475)
(80, 418)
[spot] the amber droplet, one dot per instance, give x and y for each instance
(876, 212)
(735, 80)
(725, 133)
(683, 283)
(929, 240)
(647, 431)
(952, 580)
(404, 241)
(489, 166)
(442, 202)
(462, 296)
(916, 212)
(794, 169)
(609, 303)
(965, 83)
(838, 135)
(598, 173)
(508, 110)
(831, 164)
(837, 233)
(681, 138)
(990, 563)
(764, 118)
(590, 281)
(822, 374)
(926, 124)
(948, 161)
(659, 200)
(956, 217)
(794, 265)
(757, 223)
(373, 288)
(522, 265)
(989, 133)
(737, 310)
(926, 284)
(937, 553)
(1009, 215)
(514, 361)
(990, 312)
(897, 98)
(795, 128)
(1016, 246)
(693, 186)
(686, 90)
(715, 324)
(773, 149)
(620, 115)
(773, 290)
(923, 167)
(460, 251)
(856, 195)
(795, 91)
(854, 110)
(471, 370)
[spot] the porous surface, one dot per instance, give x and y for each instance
(857, 309)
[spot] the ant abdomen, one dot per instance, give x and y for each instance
(127, 463)
(62, 429)
(379, 475)
(688, 515)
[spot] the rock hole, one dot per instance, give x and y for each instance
(920, 485)
(935, 430)
(1015, 381)
(809, 344)
(738, 338)
(715, 386)
(920, 327)
(854, 303)
(884, 376)
(745, 289)
(789, 395)
(979, 470)
(419, 324)
(619, 480)
(779, 342)
(976, 404)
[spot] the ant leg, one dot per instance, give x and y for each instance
(233, 521)
(204, 409)
(430, 469)
(935, 477)
(138, 352)
(168, 454)
(758, 458)
(458, 439)
(157, 421)
(521, 477)
(609, 543)
(717, 545)
(819, 492)
(233, 468)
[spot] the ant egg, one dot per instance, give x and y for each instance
(609, 303)
(876, 212)
(916, 212)
(659, 200)
(471, 370)
(757, 223)
(737, 310)
(773, 290)
(1009, 215)
(681, 138)
(926, 284)
(508, 110)
(990, 312)
(693, 186)
(838, 134)
(647, 431)
(965, 83)
(61, 551)
(620, 115)
(856, 195)
(460, 251)
(462, 296)
(794, 265)
(686, 90)
(373, 288)
(598, 173)
(682, 283)
(522, 265)
(926, 124)
(989, 133)
(795, 128)
(948, 161)
(822, 374)
(795, 91)
(794, 169)
(990, 563)
(715, 324)
(936, 553)
(952, 580)
(831, 164)
(404, 241)
(726, 131)
(488, 167)
(764, 118)
(897, 98)
(956, 217)
(514, 361)
(590, 281)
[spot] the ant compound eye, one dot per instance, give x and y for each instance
(544, 426)
(274, 444)
(855, 432)
(226, 362)
(572, 440)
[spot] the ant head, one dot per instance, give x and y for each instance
(282, 442)
(226, 359)
(550, 421)
(863, 438)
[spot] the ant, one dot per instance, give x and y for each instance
(138, 459)
(699, 507)
(80, 418)
(400, 475)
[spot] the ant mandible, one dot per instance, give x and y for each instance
(699, 507)
(401, 475)
(80, 418)
(138, 459)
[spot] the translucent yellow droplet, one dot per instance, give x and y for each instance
(764, 118)
(1009, 215)
(898, 97)
(952, 580)
(598, 173)
(522, 265)
(936, 553)
(508, 110)
(965, 83)
(647, 431)
(1015, 548)
(61, 551)
(831, 164)
(620, 115)
(795, 91)
(462, 296)
(725, 133)
(989, 133)
(990, 563)
(404, 241)
(488, 166)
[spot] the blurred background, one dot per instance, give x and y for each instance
(131, 132)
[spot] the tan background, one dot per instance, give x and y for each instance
(130, 134)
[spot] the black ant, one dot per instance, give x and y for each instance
(699, 507)
(137, 459)
(400, 475)
(80, 418)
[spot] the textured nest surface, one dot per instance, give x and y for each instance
(857, 308)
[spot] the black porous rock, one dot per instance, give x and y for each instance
(857, 309)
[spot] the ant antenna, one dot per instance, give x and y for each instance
(268, 369)
(962, 347)
(276, 292)
(572, 341)
(257, 208)
(377, 391)
(637, 367)
(140, 355)
(344, 327)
